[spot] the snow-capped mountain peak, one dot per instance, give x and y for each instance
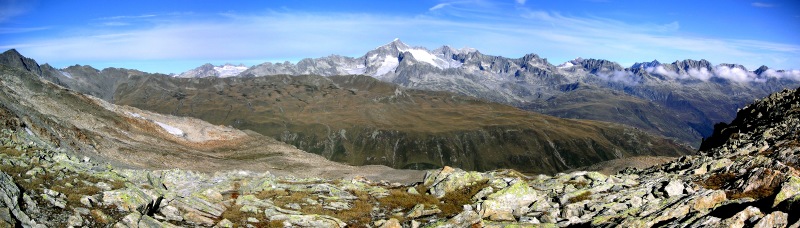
(229, 70)
(570, 63)
(209, 70)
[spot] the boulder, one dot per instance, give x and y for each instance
(789, 189)
(449, 179)
(9, 199)
(225, 223)
(126, 199)
(420, 211)
(463, 219)
(673, 188)
(129, 221)
(738, 220)
(709, 199)
(308, 220)
(509, 202)
(774, 219)
(391, 223)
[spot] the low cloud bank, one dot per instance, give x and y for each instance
(730, 73)
(620, 76)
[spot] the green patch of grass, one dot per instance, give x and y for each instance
(13, 170)
(10, 151)
(399, 198)
(451, 204)
(717, 181)
(580, 197)
(759, 193)
(578, 184)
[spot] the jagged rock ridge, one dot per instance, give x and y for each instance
(208, 70)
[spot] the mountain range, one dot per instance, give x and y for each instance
(208, 70)
(680, 100)
(360, 120)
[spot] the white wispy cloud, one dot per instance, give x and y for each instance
(13, 8)
(762, 4)
(619, 76)
(21, 30)
(734, 74)
(114, 23)
(661, 71)
(788, 74)
(294, 35)
(127, 17)
(439, 6)
(521, 2)
(721, 71)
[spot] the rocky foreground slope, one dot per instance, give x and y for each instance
(751, 178)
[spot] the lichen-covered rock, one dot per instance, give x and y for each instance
(197, 218)
(789, 189)
(449, 179)
(9, 198)
(463, 219)
(149, 222)
(225, 223)
(126, 199)
(738, 220)
(420, 211)
(674, 188)
(774, 219)
(391, 223)
(509, 202)
(709, 199)
(74, 221)
(170, 213)
(309, 220)
(129, 221)
(198, 210)
(54, 198)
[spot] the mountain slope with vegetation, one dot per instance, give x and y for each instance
(359, 120)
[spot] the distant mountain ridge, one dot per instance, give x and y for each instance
(695, 93)
(209, 70)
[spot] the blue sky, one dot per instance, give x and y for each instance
(172, 36)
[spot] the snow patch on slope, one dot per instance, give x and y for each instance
(360, 69)
(425, 56)
(390, 63)
(135, 115)
(66, 74)
(229, 70)
(170, 129)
